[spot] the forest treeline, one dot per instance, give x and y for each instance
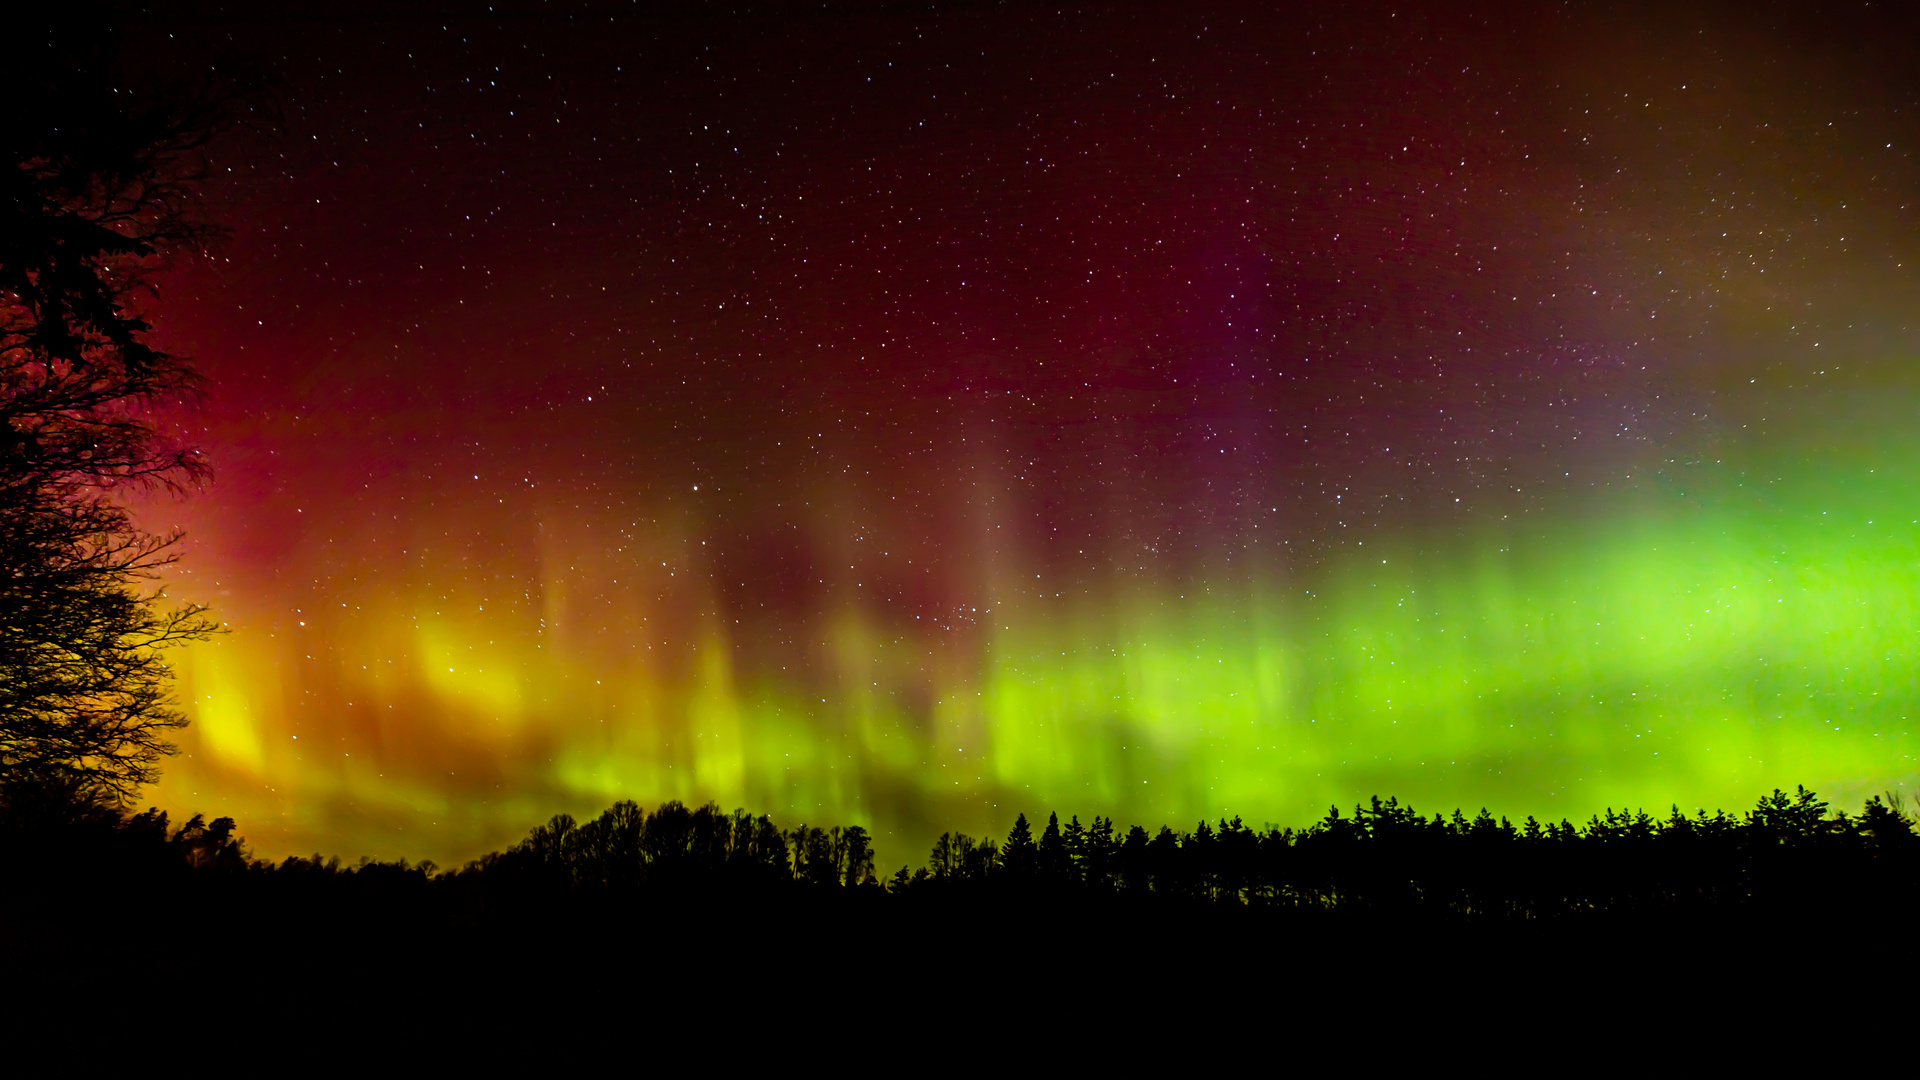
(1383, 858)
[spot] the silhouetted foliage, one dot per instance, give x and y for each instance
(1386, 859)
(97, 193)
(1020, 856)
(1384, 863)
(958, 858)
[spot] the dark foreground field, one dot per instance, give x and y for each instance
(680, 923)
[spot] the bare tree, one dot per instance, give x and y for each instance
(96, 195)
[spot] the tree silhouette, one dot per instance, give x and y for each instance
(634, 875)
(1074, 836)
(948, 858)
(858, 857)
(1131, 861)
(96, 194)
(1020, 857)
(1099, 861)
(1055, 863)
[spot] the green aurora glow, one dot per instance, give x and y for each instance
(1093, 410)
(1698, 634)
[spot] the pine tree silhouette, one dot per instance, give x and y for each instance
(1075, 838)
(1054, 861)
(1020, 857)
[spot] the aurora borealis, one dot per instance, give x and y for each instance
(910, 417)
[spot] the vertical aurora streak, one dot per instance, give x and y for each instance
(1666, 644)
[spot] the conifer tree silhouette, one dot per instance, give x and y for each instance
(1099, 861)
(1074, 835)
(1020, 858)
(1054, 861)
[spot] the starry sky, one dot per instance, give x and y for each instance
(911, 415)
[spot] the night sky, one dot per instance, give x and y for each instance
(910, 415)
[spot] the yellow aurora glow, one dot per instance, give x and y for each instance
(1659, 646)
